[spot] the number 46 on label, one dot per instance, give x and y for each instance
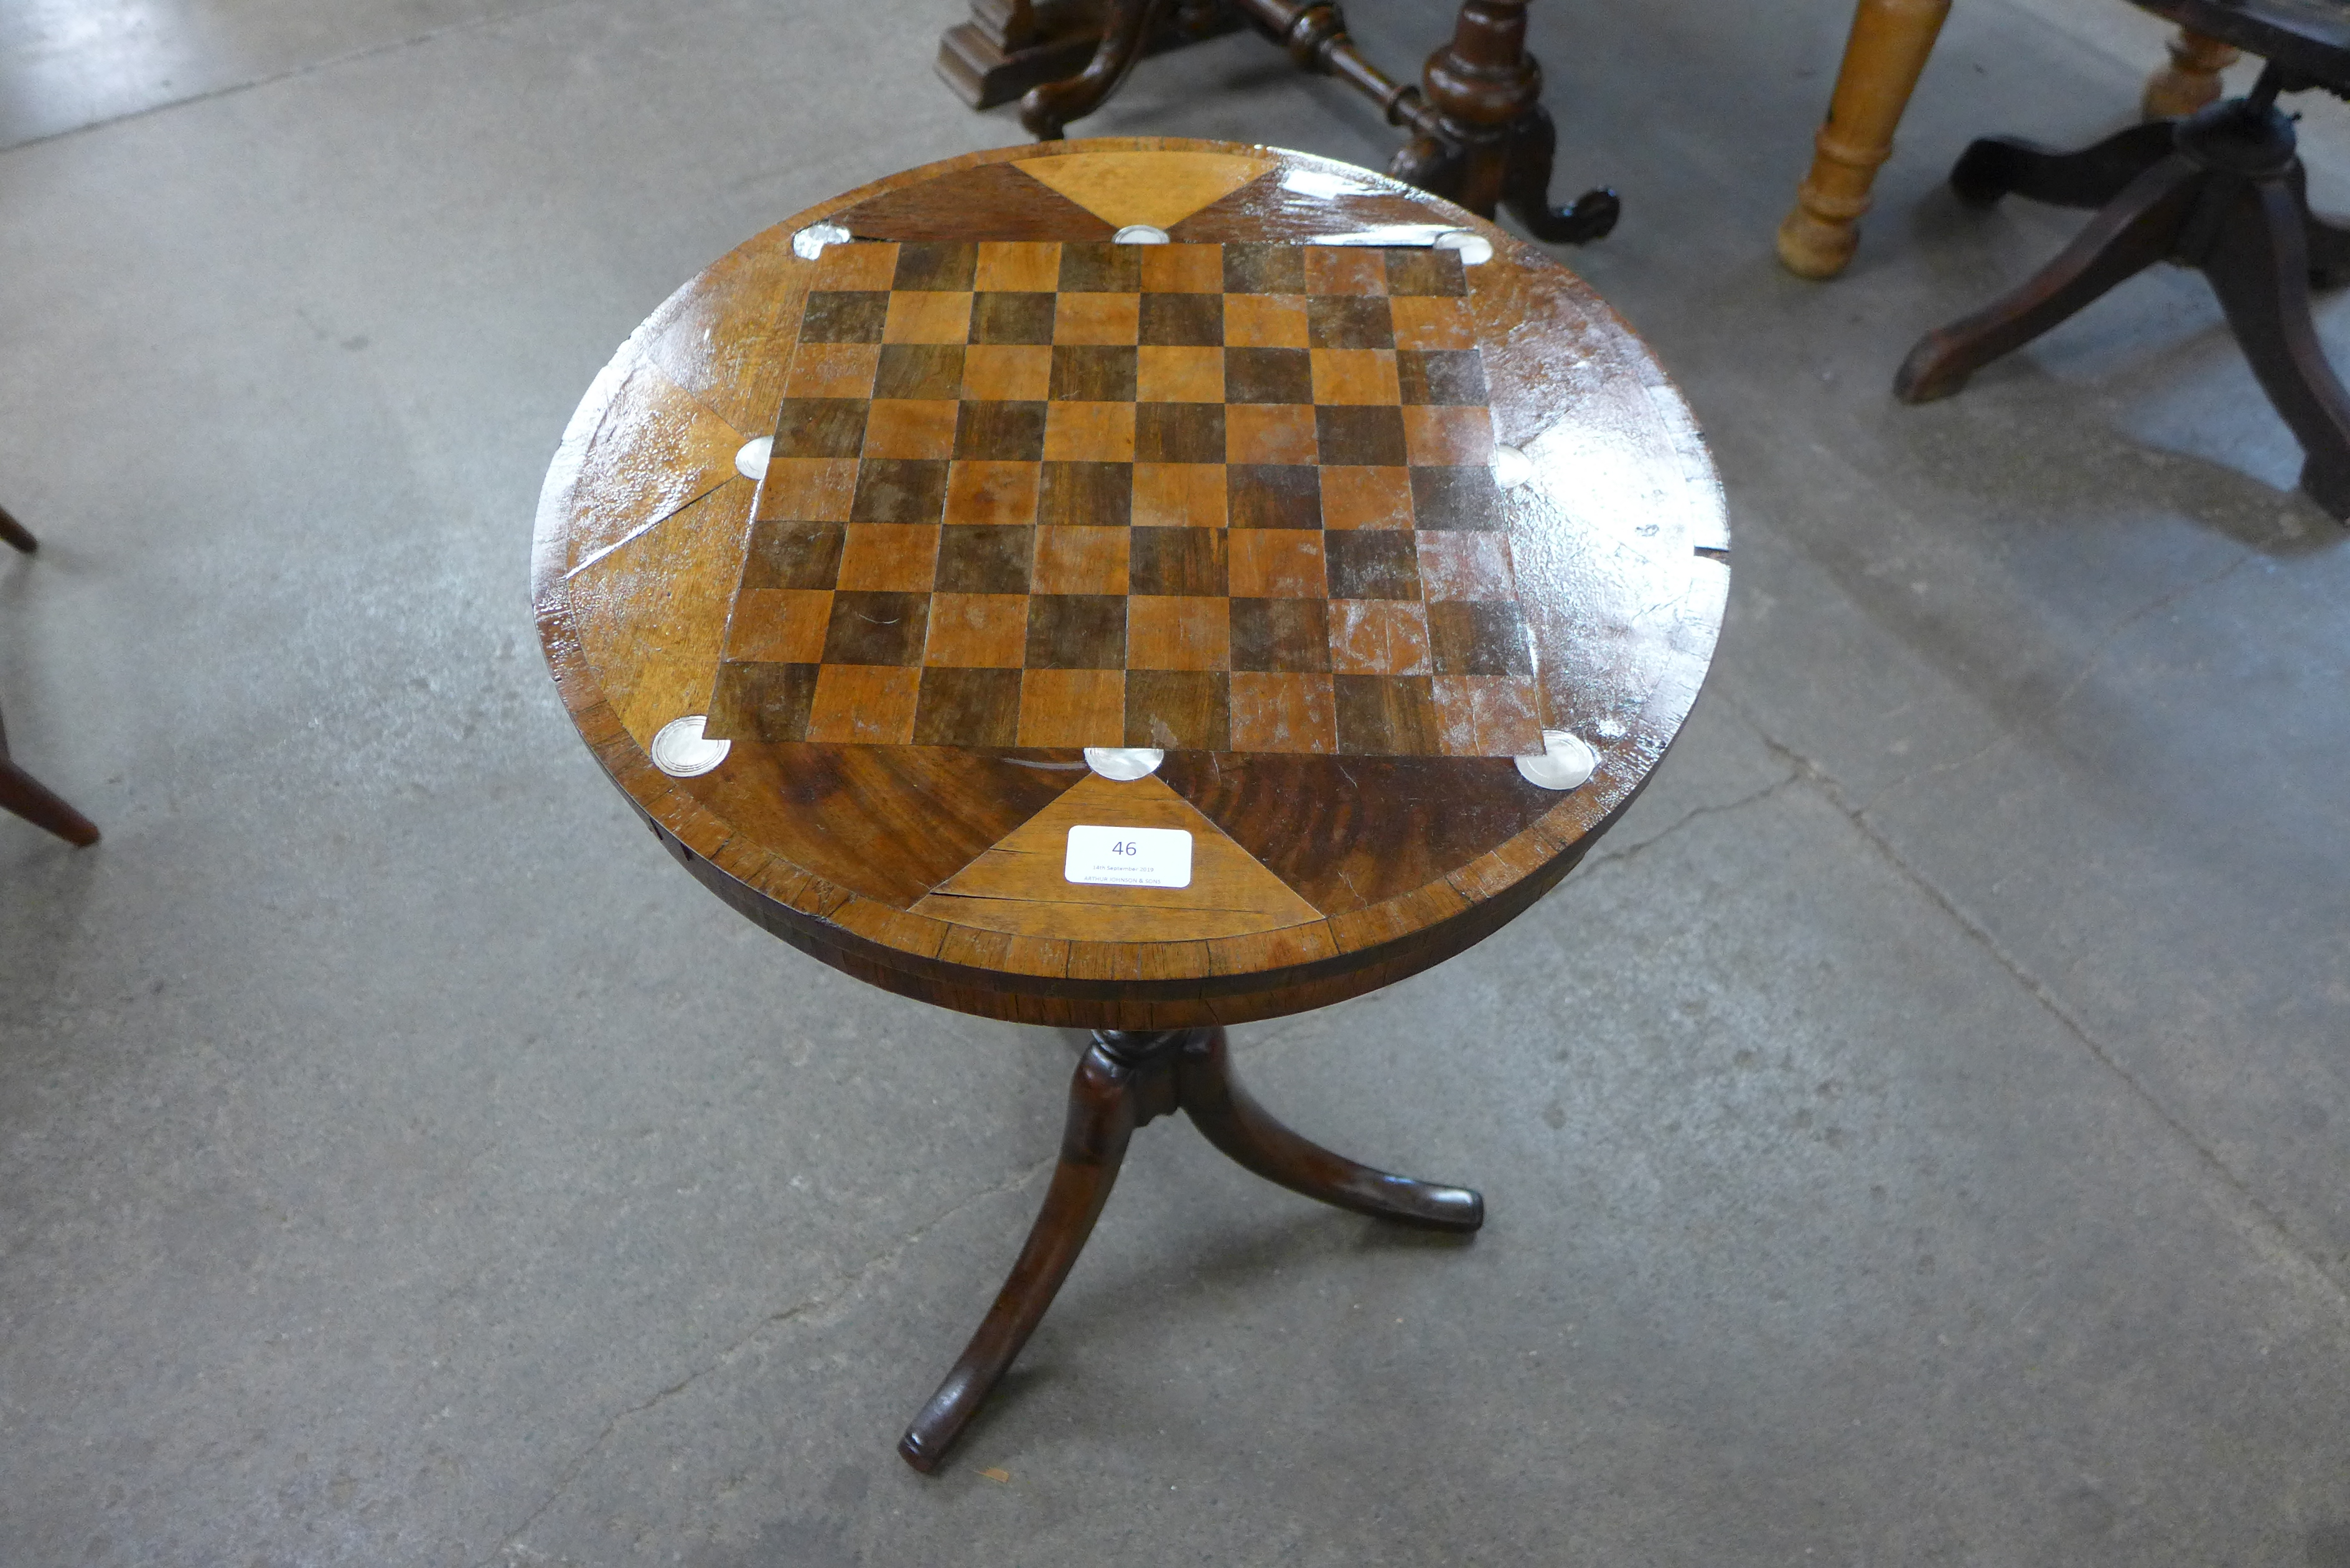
(1128, 856)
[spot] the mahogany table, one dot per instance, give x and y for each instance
(1137, 585)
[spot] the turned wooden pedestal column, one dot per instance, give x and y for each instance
(1888, 48)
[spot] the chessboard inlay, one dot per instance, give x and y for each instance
(1207, 497)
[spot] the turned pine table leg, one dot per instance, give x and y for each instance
(2190, 80)
(1882, 58)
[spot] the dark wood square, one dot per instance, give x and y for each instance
(1086, 495)
(968, 708)
(1371, 563)
(1176, 561)
(1077, 631)
(936, 264)
(1184, 320)
(927, 370)
(1268, 376)
(1281, 634)
(1387, 715)
(1425, 271)
(820, 426)
(1368, 435)
(844, 316)
(1178, 710)
(1001, 432)
(1454, 498)
(1179, 432)
(1011, 318)
(1479, 639)
(1350, 321)
(1273, 495)
(985, 560)
(1455, 376)
(764, 702)
(1092, 373)
(877, 628)
(1100, 266)
(900, 490)
(1255, 268)
(794, 556)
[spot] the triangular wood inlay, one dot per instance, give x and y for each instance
(1268, 210)
(1161, 189)
(887, 822)
(1017, 885)
(993, 201)
(1347, 832)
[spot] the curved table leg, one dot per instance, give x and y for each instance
(1999, 166)
(2259, 267)
(20, 792)
(1237, 1125)
(1882, 58)
(1103, 1115)
(2137, 230)
(1124, 1082)
(2328, 244)
(25, 796)
(1046, 109)
(16, 533)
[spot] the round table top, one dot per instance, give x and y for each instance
(906, 531)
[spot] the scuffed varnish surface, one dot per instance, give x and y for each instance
(657, 449)
(653, 613)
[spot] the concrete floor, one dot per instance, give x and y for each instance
(1917, 1135)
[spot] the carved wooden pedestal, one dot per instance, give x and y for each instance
(2222, 192)
(1479, 135)
(1124, 1081)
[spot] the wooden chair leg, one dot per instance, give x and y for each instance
(2137, 229)
(1105, 1107)
(1887, 50)
(2258, 267)
(1999, 166)
(1045, 111)
(1237, 1125)
(25, 795)
(2190, 79)
(16, 533)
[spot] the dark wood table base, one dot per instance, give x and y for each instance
(2223, 192)
(1479, 135)
(1123, 1081)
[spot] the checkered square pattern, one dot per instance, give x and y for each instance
(1218, 497)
